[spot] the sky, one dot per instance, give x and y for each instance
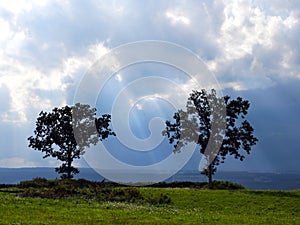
(251, 47)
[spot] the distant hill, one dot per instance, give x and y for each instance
(276, 181)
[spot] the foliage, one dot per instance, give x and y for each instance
(119, 194)
(37, 182)
(107, 191)
(218, 185)
(217, 132)
(102, 191)
(55, 134)
(225, 185)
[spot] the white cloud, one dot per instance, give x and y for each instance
(16, 162)
(14, 117)
(291, 21)
(16, 6)
(19, 162)
(237, 86)
(25, 80)
(5, 31)
(176, 17)
(256, 42)
(243, 27)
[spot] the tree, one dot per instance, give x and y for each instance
(66, 132)
(217, 132)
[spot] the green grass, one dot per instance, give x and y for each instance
(188, 206)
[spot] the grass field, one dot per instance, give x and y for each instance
(188, 206)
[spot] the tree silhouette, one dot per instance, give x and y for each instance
(66, 132)
(217, 132)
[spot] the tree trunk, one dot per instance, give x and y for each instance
(210, 181)
(69, 171)
(69, 176)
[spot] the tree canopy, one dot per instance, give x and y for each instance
(66, 132)
(217, 132)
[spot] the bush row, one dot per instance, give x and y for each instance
(102, 191)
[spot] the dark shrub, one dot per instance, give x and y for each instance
(225, 185)
(35, 183)
(162, 199)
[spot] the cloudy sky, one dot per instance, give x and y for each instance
(252, 47)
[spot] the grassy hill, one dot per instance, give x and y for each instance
(83, 202)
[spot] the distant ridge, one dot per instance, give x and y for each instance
(252, 180)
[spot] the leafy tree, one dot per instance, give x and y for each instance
(217, 125)
(66, 132)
